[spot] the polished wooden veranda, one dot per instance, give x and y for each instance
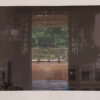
(49, 71)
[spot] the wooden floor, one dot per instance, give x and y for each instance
(49, 71)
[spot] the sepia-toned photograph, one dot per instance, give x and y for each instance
(50, 48)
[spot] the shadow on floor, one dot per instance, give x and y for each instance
(49, 85)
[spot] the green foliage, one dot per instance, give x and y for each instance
(49, 37)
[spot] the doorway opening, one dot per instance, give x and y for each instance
(50, 50)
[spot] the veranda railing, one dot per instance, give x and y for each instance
(50, 54)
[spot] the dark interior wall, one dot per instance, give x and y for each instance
(22, 58)
(84, 47)
(82, 33)
(12, 41)
(5, 25)
(97, 30)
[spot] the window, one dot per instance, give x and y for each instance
(72, 74)
(85, 75)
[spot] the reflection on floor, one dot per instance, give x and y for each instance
(49, 85)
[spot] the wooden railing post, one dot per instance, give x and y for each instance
(48, 54)
(59, 53)
(38, 54)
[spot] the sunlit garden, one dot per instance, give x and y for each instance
(49, 42)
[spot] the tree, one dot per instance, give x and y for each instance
(49, 37)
